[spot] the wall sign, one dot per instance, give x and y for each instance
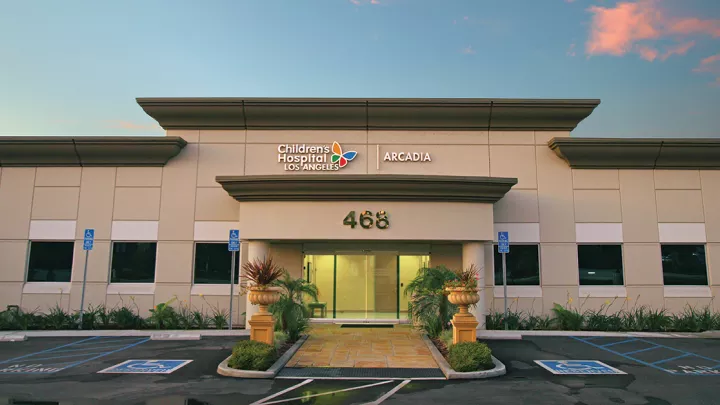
(301, 157)
(407, 157)
(366, 220)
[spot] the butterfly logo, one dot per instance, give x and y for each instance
(339, 157)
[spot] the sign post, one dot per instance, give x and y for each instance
(503, 248)
(233, 246)
(88, 242)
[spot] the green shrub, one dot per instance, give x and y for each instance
(568, 319)
(446, 337)
(470, 356)
(125, 318)
(252, 355)
(280, 339)
(291, 315)
(428, 305)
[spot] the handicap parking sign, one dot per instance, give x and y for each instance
(146, 367)
(577, 367)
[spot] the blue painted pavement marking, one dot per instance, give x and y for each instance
(77, 353)
(146, 367)
(679, 370)
(619, 343)
(577, 367)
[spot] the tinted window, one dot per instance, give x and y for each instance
(684, 265)
(600, 264)
(50, 261)
(212, 264)
(133, 262)
(523, 266)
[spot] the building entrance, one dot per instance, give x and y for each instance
(361, 285)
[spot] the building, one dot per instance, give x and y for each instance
(356, 195)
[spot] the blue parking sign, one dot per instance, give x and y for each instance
(234, 241)
(577, 367)
(88, 239)
(145, 367)
(503, 242)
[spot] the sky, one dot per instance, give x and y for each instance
(75, 67)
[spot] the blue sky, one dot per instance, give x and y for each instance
(75, 67)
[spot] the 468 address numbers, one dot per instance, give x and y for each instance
(366, 220)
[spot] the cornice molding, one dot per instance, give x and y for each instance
(366, 187)
(369, 114)
(89, 151)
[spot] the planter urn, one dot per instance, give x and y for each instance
(262, 323)
(464, 323)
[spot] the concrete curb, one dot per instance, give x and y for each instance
(184, 334)
(518, 334)
(451, 374)
(223, 368)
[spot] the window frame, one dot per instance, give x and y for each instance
(540, 276)
(707, 269)
(622, 262)
(112, 256)
(238, 263)
(28, 253)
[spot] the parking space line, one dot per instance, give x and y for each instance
(389, 393)
(101, 341)
(672, 358)
(617, 343)
(277, 394)
(641, 350)
(40, 368)
(327, 393)
(654, 365)
(45, 351)
(88, 348)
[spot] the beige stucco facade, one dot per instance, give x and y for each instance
(181, 203)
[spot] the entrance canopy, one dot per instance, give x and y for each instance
(366, 207)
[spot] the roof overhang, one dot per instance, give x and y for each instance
(89, 150)
(376, 114)
(638, 153)
(366, 187)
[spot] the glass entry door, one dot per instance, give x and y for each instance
(356, 285)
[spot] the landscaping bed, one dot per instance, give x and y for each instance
(251, 359)
(467, 360)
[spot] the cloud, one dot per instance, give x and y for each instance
(361, 2)
(133, 126)
(468, 50)
(680, 49)
(627, 27)
(711, 65)
(571, 50)
(647, 52)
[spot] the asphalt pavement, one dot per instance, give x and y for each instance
(74, 371)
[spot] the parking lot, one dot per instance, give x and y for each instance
(75, 371)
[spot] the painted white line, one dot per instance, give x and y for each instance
(327, 393)
(366, 378)
(277, 394)
(389, 393)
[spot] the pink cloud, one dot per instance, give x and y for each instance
(711, 65)
(647, 52)
(680, 49)
(468, 50)
(133, 126)
(620, 29)
(360, 2)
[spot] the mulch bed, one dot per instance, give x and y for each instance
(440, 345)
(284, 348)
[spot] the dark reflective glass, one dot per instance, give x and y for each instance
(600, 264)
(522, 264)
(684, 265)
(50, 261)
(212, 264)
(133, 262)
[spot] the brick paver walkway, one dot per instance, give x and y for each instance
(333, 346)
